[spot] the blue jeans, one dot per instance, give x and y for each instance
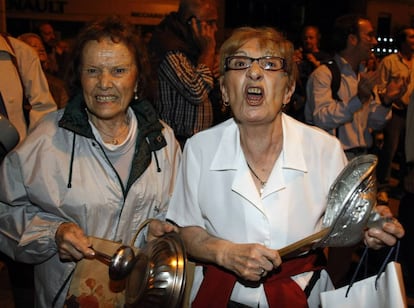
(394, 133)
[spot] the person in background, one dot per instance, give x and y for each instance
(27, 80)
(183, 52)
(371, 64)
(56, 85)
(146, 36)
(57, 56)
(24, 100)
(308, 57)
(256, 183)
(99, 167)
(393, 67)
(64, 46)
(16, 279)
(359, 111)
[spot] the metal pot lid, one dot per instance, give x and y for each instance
(158, 277)
(350, 202)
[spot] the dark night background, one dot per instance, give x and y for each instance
(288, 16)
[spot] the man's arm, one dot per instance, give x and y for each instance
(192, 82)
(36, 87)
(326, 112)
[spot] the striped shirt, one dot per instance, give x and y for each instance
(183, 94)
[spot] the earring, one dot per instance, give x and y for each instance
(136, 95)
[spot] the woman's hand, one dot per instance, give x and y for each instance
(249, 261)
(158, 228)
(72, 243)
(391, 231)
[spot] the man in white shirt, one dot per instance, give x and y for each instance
(27, 74)
(33, 79)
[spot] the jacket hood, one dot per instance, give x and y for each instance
(149, 138)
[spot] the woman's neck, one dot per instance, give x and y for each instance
(113, 131)
(261, 147)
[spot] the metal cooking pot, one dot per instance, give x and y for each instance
(158, 277)
(351, 201)
(350, 208)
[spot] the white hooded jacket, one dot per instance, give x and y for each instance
(60, 173)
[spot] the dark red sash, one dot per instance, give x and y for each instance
(280, 289)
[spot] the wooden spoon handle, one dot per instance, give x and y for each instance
(303, 242)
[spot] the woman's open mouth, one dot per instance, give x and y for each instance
(254, 95)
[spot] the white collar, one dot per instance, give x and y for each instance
(229, 152)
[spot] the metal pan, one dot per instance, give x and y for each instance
(159, 276)
(350, 208)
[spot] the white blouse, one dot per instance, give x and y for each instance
(216, 191)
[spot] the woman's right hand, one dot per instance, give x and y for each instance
(250, 261)
(72, 242)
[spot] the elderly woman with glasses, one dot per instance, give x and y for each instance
(257, 183)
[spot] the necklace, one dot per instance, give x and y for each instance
(262, 183)
(115, 140)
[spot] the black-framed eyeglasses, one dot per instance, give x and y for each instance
(268, 63)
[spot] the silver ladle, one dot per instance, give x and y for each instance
(120, 264)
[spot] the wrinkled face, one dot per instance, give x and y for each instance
(255, 95)
(108, 77)
(37, 45)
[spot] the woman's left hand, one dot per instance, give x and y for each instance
(158, 228)
(391, 231)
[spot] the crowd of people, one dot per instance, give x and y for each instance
(235, 147)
